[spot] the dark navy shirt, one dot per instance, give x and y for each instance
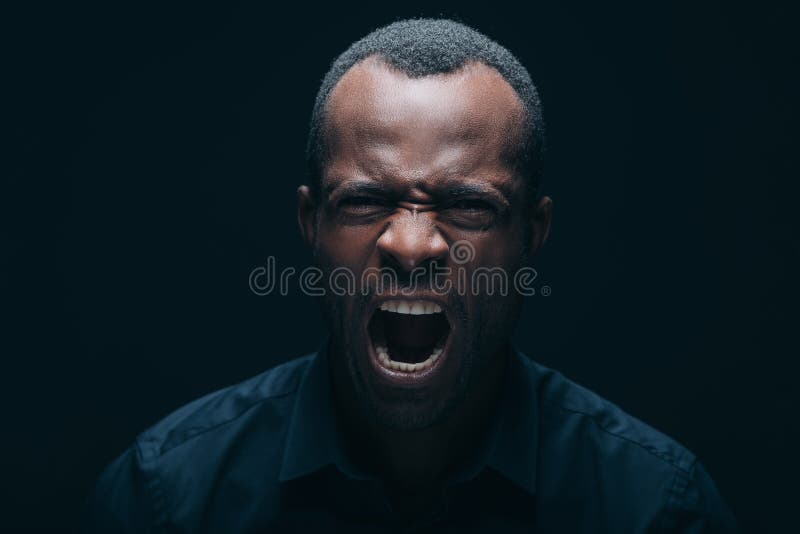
(266, 456)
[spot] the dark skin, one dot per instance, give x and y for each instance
(415, 165)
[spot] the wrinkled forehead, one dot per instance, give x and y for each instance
(471, 114)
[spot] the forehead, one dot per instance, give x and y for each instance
(377, 118)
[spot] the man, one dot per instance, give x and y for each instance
(417, 413)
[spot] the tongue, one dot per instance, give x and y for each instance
(412, 338)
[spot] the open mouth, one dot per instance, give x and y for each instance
(409, 336)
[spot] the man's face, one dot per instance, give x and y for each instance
(415, 166)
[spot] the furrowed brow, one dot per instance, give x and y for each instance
(475, 190)
(355, 187)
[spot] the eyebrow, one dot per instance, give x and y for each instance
(356, 187)
(465, 190)
(500, 192)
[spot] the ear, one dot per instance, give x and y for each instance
(306, 215)
(541, 216)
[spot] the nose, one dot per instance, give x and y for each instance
(411, 240)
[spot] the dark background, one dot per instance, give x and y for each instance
(153, 162)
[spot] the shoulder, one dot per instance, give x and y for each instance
(173, 469)
(569, 407)
(220, 411)
(634, 477)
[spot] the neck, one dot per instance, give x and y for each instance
(418, 461)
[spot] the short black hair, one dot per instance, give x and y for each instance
(423, 47)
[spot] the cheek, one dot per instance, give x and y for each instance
(345, 247)
(503, 251)
(490, 285)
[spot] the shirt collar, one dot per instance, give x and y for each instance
(514, 439)
(313, 440)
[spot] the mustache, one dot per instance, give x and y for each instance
(429, 276)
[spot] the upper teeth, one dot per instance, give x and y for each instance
(412, 307)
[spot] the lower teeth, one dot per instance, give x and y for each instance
(383, 356)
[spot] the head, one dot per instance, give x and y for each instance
(424, 134)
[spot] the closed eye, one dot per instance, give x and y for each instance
(472, 205)
(471, 213)
(360, 202)
(360, 209)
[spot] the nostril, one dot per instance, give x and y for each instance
(397, 261)
(409, 253)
